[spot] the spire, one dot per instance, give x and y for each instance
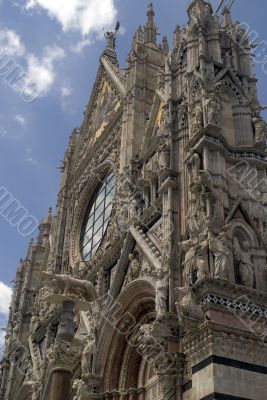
(138, 36)
(177, 37)
(48, 218)
(150, 29)
(165, 44)
(227, 17)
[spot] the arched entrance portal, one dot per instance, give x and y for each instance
(127, 374)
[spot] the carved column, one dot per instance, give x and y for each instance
(4, 376)
(171, 377)
(64, 355)
(170, 372)
(169, 184)
(160, 348)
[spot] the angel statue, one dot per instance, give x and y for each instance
(111, 37)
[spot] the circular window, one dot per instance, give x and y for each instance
(97, 217)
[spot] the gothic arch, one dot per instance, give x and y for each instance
(240, 227)
(231, 89)
(193, 32)
(244, 241)
(117, 360)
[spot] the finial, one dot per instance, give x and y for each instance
(165, 44)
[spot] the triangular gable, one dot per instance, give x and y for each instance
(239, 211)
(105, 104)
(228, 74)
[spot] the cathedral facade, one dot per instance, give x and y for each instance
(150, 281)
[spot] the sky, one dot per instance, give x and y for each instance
(56, 45)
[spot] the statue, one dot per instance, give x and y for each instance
(202, 260)
(68, 285)
(213, 107)
(246, 266)
(219, 248)
(133, 208)
(88, 354)
(189, 261)
(259, 125)
(134, 268)
(197, 119)
(111, 37)
(161, 292)
(16, 324)
(164, 154)
(193, 164)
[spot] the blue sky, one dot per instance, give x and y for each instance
(58, 44)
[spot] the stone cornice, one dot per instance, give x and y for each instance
(211, 137)
(234, 292)
(216, 339)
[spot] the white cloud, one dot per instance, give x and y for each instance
(65, 91)
(32, 161)
(3, 132)
(42, 71)
(79, 46)
(86, 16)
(10, 43)
(5, 297)
(20, 119)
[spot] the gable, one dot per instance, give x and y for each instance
(104, 107)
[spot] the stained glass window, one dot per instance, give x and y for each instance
(97, 217)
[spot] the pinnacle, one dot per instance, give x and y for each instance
(150, 10)
(150, 27)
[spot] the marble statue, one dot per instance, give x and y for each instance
(161, 287)
(246, 266)
(189, 261)
(220, 250)
(69, 285)
(213, 107)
